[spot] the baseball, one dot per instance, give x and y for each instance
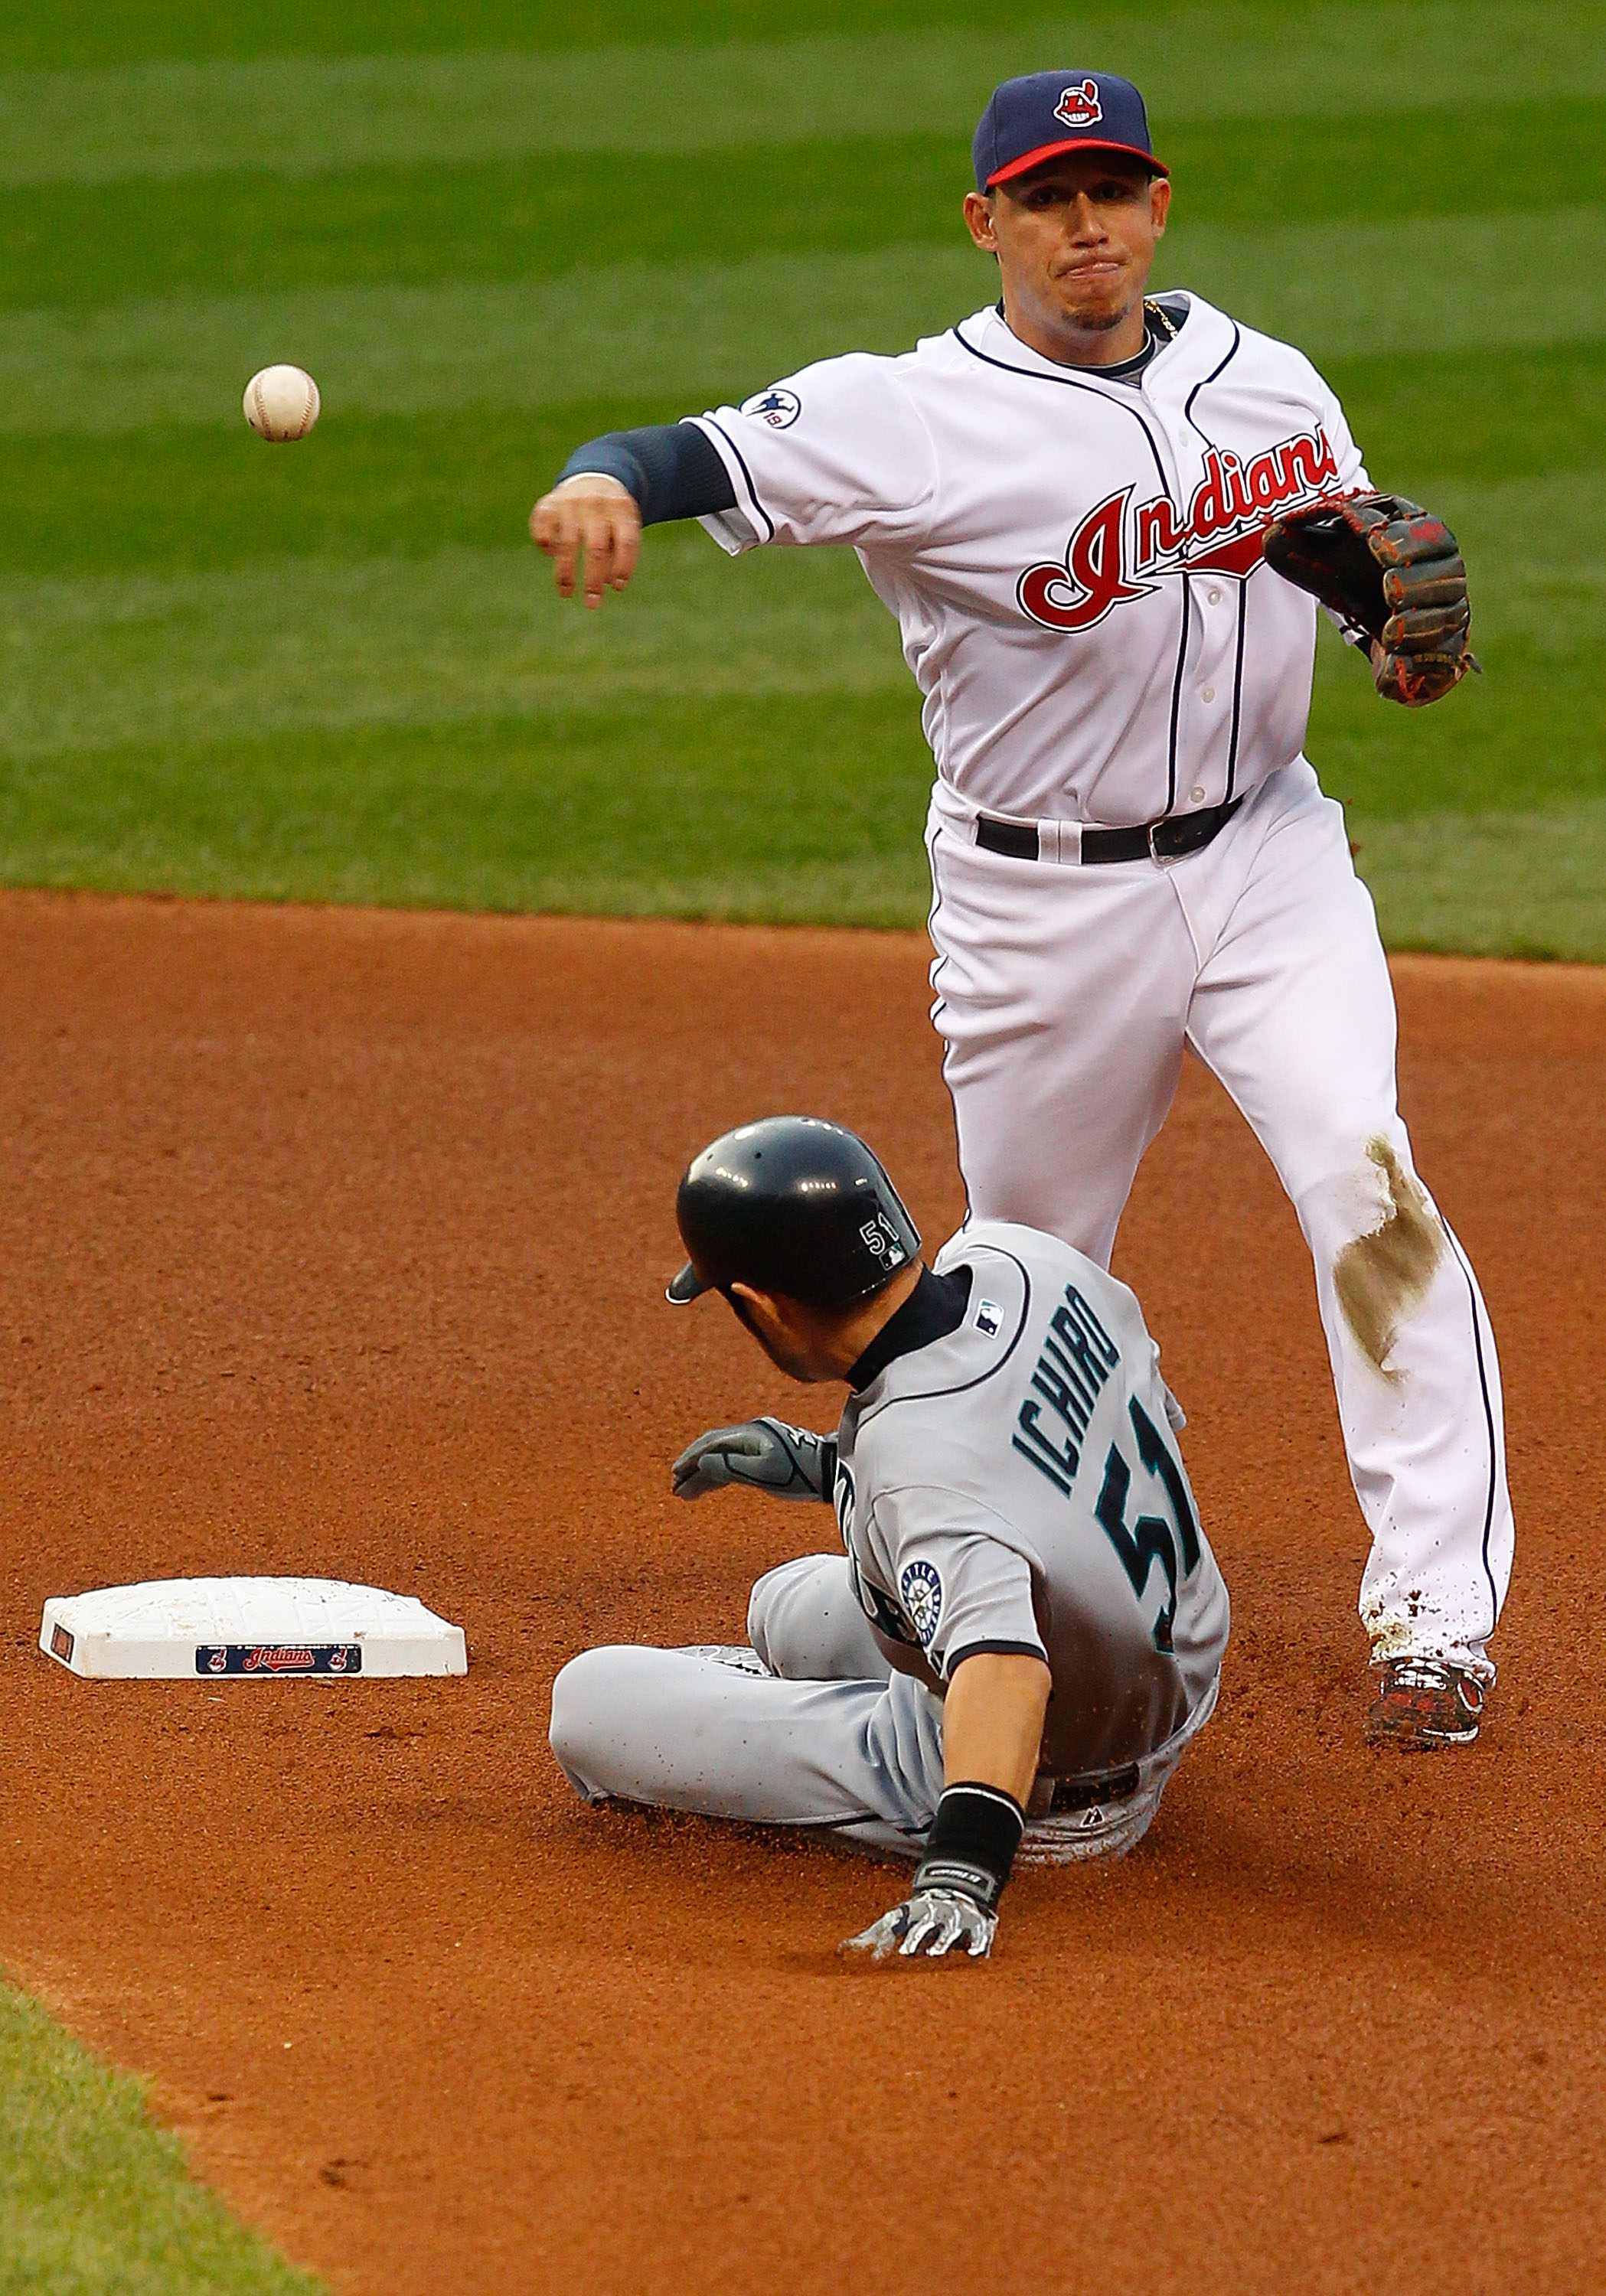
(281, 402)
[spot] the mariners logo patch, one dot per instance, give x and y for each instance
(921, 1589)
(778, 409)
(1079, 107)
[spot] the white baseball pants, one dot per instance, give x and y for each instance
(1065, 994)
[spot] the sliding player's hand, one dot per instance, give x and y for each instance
(931, 1923)
(788, 1463)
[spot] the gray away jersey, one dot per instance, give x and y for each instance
(1016, 1487)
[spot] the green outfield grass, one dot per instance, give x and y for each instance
(93, 2197)
(337, 671)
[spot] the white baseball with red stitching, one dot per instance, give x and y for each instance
(281, 403)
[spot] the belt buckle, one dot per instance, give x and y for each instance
(1151, 831)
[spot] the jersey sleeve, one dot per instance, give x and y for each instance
(837, 452)
(960, 1583)
(669, 468)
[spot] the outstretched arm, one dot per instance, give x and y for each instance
(590, 521)
(992, 1721)
(992, 1731)
(612, 487)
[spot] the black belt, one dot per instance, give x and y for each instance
(1166, 840)
(1052, 1796)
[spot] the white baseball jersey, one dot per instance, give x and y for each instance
(1074, 563)
(1014, 1487)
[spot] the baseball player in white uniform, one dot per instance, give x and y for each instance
(1066, 500)
(1025, 1628)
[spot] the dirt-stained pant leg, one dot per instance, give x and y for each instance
(1294, 1012)
(1065, 993)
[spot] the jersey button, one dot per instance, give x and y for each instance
(1198, 792)
(1216, 597)
(1209, 694)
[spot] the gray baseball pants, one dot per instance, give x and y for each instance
(828, 1735)
(809, 1728)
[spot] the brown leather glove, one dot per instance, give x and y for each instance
(1392, 570)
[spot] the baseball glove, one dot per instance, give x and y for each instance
(1388, 570)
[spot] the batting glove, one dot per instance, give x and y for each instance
(789, 1463)
(958, 1882)
(930, 1923)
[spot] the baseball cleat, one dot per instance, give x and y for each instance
(1423, 1703)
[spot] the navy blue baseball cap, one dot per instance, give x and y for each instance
(1035, 119)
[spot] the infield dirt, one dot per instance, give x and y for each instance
(333, 1242)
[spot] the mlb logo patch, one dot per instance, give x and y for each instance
(989, 1317)
(1079, 107)
(880, 1239)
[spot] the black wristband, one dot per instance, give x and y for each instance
(972, 1843)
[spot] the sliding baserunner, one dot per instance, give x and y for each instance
(1022, 1626)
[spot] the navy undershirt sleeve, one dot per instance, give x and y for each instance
(671, 469)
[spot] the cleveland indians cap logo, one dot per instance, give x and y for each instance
(1079, 107)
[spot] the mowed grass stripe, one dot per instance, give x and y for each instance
(293, 115)
(320, 643)
(40, 37)
(313, 642)
(704, 331)
(1497, 884)
(542, 217)
(658, 807)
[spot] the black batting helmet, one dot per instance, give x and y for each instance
(795, 1205)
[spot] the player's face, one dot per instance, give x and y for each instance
(1075, 241)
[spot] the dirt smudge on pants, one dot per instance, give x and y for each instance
(1383, 1278)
